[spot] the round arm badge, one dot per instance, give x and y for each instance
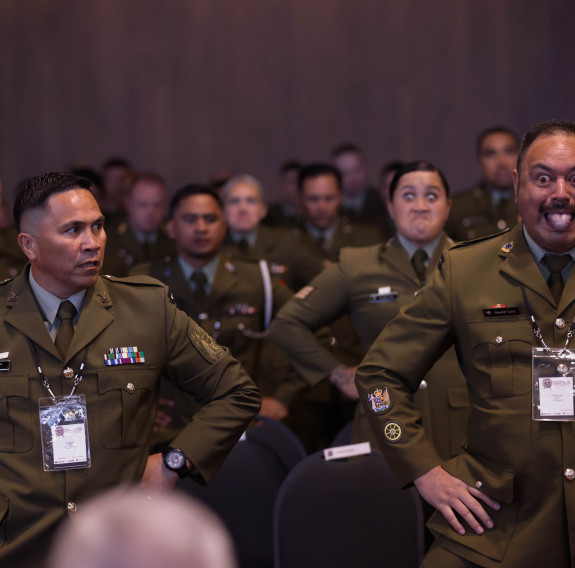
(380, 400)
(392, 432)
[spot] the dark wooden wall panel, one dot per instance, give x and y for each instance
(185, 87)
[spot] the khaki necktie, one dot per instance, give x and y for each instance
(66, 313)
(199, 280)
(418, 262)
(556, 264)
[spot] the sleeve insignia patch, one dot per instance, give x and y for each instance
(207, 347)
(379, 400)
(304, 292)
(393, 432)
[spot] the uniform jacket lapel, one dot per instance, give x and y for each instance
(23, 313)
(395, 255)
(518, 263)
(224, 280)
(94, 318)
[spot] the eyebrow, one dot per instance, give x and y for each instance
(547, 168)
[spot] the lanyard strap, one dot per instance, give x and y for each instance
(537, 330)
(77, 377)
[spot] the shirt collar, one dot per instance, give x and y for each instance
(249, 237)
(208, 269)
(538, 254)
(411, 248)
(49, 303)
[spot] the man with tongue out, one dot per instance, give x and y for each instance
(509, 499)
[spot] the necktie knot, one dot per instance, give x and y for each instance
(66, 312)
(418, 261)
(199, 281)
(556, 264)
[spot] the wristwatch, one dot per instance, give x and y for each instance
(175, 460)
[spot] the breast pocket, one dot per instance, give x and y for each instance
(504, 347)
(15, 414)
(127, 406)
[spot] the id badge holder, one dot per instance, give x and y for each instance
(64, 432)
(552, 384)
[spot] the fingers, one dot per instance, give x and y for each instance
(485, 498)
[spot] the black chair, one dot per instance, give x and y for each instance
(343, 437)
(346, 514)
(244, 490)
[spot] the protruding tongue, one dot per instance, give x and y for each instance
(559, 221)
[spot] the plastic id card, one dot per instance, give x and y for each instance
(552, 384)
(64, 433)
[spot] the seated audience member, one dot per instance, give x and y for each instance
(231, 298)
(360, 203)
(131, 529)
(489, 207)
(141, 236)
(286, 211)
(117, 174)
(244, 209)
(371, 284)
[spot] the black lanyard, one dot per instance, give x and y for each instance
(537, 330)
(77, 377)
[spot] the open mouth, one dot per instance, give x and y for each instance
(90, 264)
(559, 220)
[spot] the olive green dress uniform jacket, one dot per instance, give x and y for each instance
(234, 316)
(514, 459)
(346, 287)
(121, 401)
(124, 251)
(289, 259)
(474, 215)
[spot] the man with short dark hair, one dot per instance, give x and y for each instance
(488, 207)
(232, 298)
(505, 302)
(361, 203)
(81, 360)
(141, 236)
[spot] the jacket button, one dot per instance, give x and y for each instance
(569, 474)
(72, 507)
(499, 340)
(559, 323)
(203, 316)
(130, 386)
(478, 484)
(423, 385)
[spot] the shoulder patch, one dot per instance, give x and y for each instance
(204, 343)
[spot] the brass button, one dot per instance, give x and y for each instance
(423, 385)
(569, 474)
(499, 340)
(68, 373)
(478, 484)
(203, 316)
(130, 386)
(72, 507)
(501, 224)
(560, 323)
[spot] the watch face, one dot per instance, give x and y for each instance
(175, 459)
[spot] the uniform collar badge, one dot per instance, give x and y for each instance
(507, 247)
(104, 298)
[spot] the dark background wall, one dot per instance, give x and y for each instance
(186, 87)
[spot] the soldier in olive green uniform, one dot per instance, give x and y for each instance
(371, 284)
(509, 500)
(236, 303)
(141, 237)
(489, 207)
(61, 233)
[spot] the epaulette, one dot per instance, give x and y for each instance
(134, 280)
(479, 239)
